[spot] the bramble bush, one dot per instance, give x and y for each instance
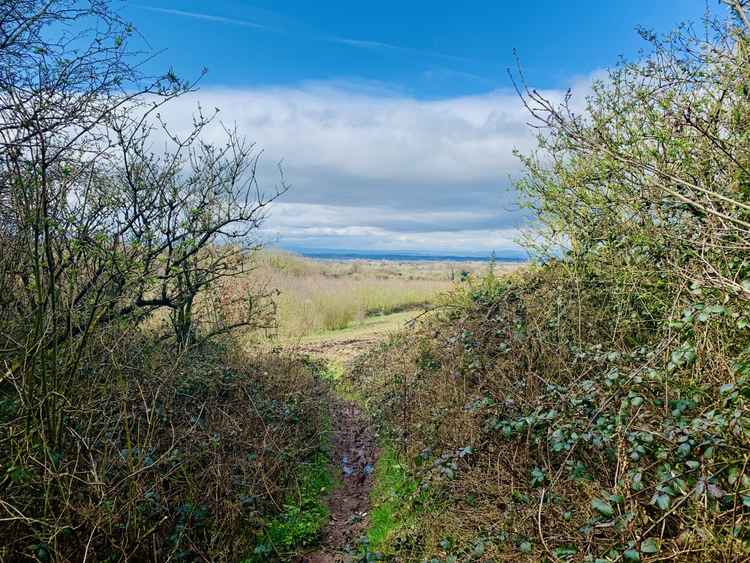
(596, 406)
(123, 437)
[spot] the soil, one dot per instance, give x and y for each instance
(341, 350)
(355, 453)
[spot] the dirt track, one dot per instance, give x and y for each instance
(355, 453)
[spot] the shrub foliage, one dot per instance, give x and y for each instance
(596, 406)
(122, 437)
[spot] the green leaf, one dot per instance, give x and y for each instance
(602, 507)
(662, 501)
(525, 547)
(650, 545)
(565, 551)
(632, 555)
(537, 477)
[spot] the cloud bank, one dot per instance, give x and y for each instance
(375, 169)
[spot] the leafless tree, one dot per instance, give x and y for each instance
(97, 228)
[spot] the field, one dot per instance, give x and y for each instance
(324, 300)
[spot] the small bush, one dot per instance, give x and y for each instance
(162, 457)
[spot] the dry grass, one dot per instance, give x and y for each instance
(319, 296)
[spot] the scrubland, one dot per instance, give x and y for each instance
(318, 296)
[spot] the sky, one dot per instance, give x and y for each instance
(394, 122)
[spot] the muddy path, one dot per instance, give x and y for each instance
(354, 453)
(342, 350)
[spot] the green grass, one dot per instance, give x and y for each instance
(305, 512)
(391, 498)
(370, 326)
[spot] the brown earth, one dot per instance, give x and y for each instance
(355, 453)
(341, 350)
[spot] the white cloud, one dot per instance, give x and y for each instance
(377, 168)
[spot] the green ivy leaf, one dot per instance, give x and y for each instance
(602, 507)
(564, 552)
(650, 545)
(662, 501)
(537, 477)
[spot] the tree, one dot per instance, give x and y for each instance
(96, 229)
(653, 177)
(192, 215)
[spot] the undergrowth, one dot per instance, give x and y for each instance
(304, 513)
(182, 456)
(545, 446)
(596, 407)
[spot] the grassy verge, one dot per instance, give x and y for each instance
(392, 509)
(304, 516)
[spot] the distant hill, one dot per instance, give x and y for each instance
(407, 255)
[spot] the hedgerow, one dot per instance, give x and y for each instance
(595, 406)
(183, 456)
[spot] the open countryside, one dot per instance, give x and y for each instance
(319, 283)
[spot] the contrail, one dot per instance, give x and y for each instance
(207, 17)
(355, 43)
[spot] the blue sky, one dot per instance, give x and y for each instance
(395, 120)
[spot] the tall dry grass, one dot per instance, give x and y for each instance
(319, 296)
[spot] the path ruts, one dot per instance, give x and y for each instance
(355, 453)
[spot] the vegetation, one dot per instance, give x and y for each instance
(595, 407)
(592, 407)
(392, 511)
(304, 516)
(124, 437)
(323, 296)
